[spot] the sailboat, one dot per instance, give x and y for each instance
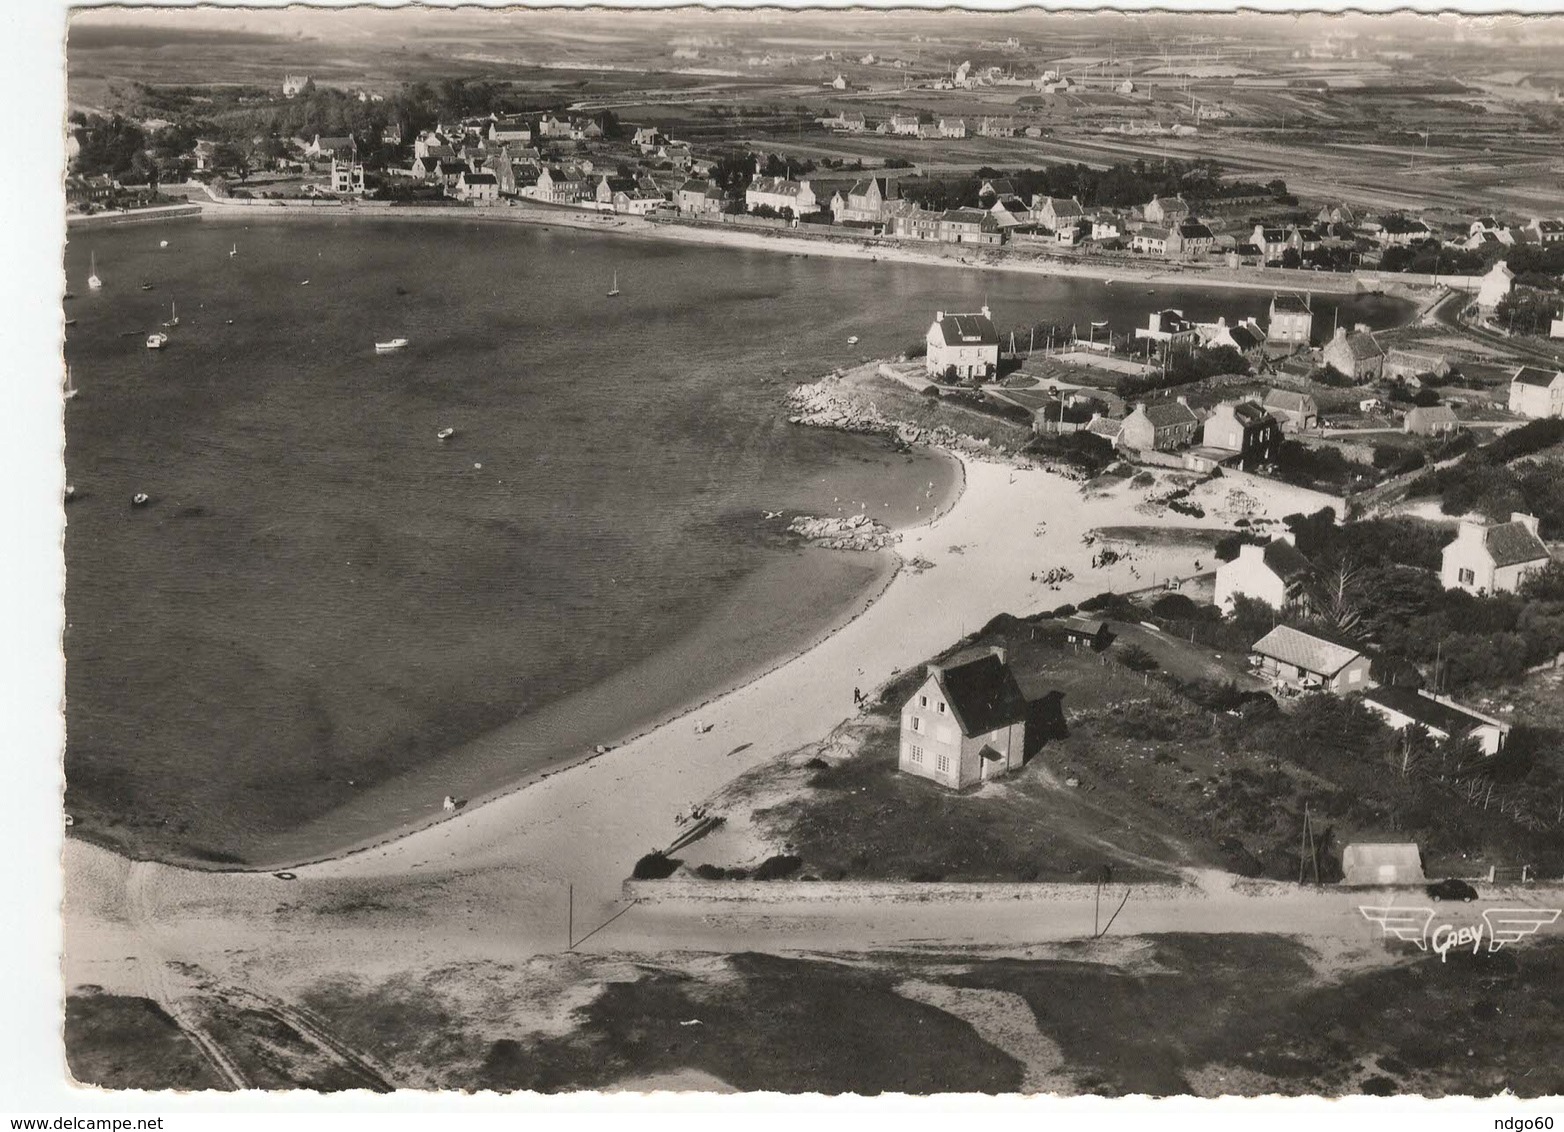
(233, 251)
(615, 291)
(93, 281)
(173, 315)
(70, 386)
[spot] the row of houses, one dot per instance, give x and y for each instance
(967, 722)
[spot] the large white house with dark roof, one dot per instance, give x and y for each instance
(965, 343)
(1493, 558)
(965, 724)
(1276, 573)
(1536, 392)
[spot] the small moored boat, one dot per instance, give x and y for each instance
(157, 340)
(93, 282)
(387, 347)
(70, 385)
(446, 433)
(173, 315)
(162, 243)
(146, 286)
(140, 499)
(613, 292)
(853, 341)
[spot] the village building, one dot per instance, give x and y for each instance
(646, 139)
(503, 130)
(478, 188)
(1536, 392)
(952, 128)
(698, 198)
(1106, 227)
(555, 186)
(1493, 558)
(997, 127)
(1295, 412)
(1276, 573)
(964, 346)
(1109, 428)
(849, 122)
(1093, 632)
(1356, 355)
(1011, 214)
(347, 177)
(1273, 242)
(779, 193)
(1291, 658)
(1292, 320)
(1402, 231)
(906, 124)
(1337, 215)
(1243, 430)
(1057, 212)
(969, 226)
(1161, 426)
(1168, 213)
(1247, 337)
(1155, 241)
(325, 148)
(1169, 326)
(1370, 864)
(965, 724)
(1404, 363)
(1494, 287)
(1430, 420)
(1547, 231)
(636, 202)
(676, 154)
(1195, 238)
(1126, 87)
(1440, 716)
(864, 201)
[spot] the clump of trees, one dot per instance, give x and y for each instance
(1487, 479)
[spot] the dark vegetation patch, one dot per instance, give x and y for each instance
(121, 1042)
(783, 1025)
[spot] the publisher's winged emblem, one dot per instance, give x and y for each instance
(1499, 926)
(1511, 925)
(1410, 924)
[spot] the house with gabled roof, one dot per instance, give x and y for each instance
(1276, 573)
(1161, 425)
(1292, 320)
(1489, 558)
(967, 344)
(1247, 336)
(1402, 362)
(1440, 716)
(1292, 658)
(952, 128)
(1057, 212)
(699, 198)
(1430, 420)
(1243, 430)
(479, 188)
(965, 724)
(1169, 211)
(1355, 354)
(1295, 412)
(1536, 392)
(865, 200)
(1494, 286)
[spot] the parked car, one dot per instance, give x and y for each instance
(1452, 889)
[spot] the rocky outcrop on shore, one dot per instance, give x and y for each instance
(856, 532)
(820, 405)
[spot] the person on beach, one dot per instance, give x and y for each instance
(857, 697)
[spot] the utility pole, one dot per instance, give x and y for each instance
(570, 919)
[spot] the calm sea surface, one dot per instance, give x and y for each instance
(323, 600)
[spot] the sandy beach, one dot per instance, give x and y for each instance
(491, 882)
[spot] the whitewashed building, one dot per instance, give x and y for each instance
(965, 343)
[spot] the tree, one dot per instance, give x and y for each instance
(1335, 597)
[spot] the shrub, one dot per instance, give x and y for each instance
(1136, 659)
(1142, 479)
(1174, 607)
(775, 868)
(931, 391)
(656, 865)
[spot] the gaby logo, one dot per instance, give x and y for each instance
(1499, 926)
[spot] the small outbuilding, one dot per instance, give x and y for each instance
(1373, 863)
(1090, 631)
